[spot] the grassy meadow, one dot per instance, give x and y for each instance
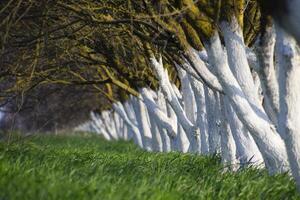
(88, 167)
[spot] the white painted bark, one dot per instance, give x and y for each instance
(183, 141)
(125, 134)
(267, 74)
(142, 121)
(178, 93)
(97, 120)
(105, 127)
(118, 107)
(169, 93)
(123, 129)
(106, 119)
(201, 119)
(190, 108)
(129, 110)
(258, 87)
(247, 150)
(159, 112)
(157, 144)
(288, 53)
(267, 139)
(228, 146)
(199, 66)
(117, 124)
(162, 104)
(211, 120)
(173, 117)
(238, 63)
(187, 95)
(211, 115)
(91, 127)
(218, 124)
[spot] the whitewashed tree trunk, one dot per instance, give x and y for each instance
(129, 110)
(125, 134)
(188, 95)
(247, 150)
(117, 123)
(142, 122)
(237, 58)
(183, 141)
(267, 139)
(173, 117)
(228, 146)
(199, 68)
(100, 123)
(218, 113)
(171, 95)
(211, 120)
(288, 53)
(102, 130)
(161, 102)
(106, 119)
(158, 110)
(238, 63)
(190, 108)
(123, 112)
(201, 121)
(122, 127)
(157, 143)
(267, 74)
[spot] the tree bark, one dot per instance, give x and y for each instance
(288, 53)
(267, 139)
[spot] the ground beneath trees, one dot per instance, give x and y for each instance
(77, 167)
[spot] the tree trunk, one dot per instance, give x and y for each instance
(142, 120)
(288, 54)
(201, 121)
(267, 139)
(228, 147)
(211, 120)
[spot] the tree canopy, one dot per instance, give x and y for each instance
(104, 46)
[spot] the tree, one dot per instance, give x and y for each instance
(219, 85)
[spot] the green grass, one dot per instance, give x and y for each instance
(74, 167)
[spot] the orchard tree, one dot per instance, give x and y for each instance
(204, 76)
